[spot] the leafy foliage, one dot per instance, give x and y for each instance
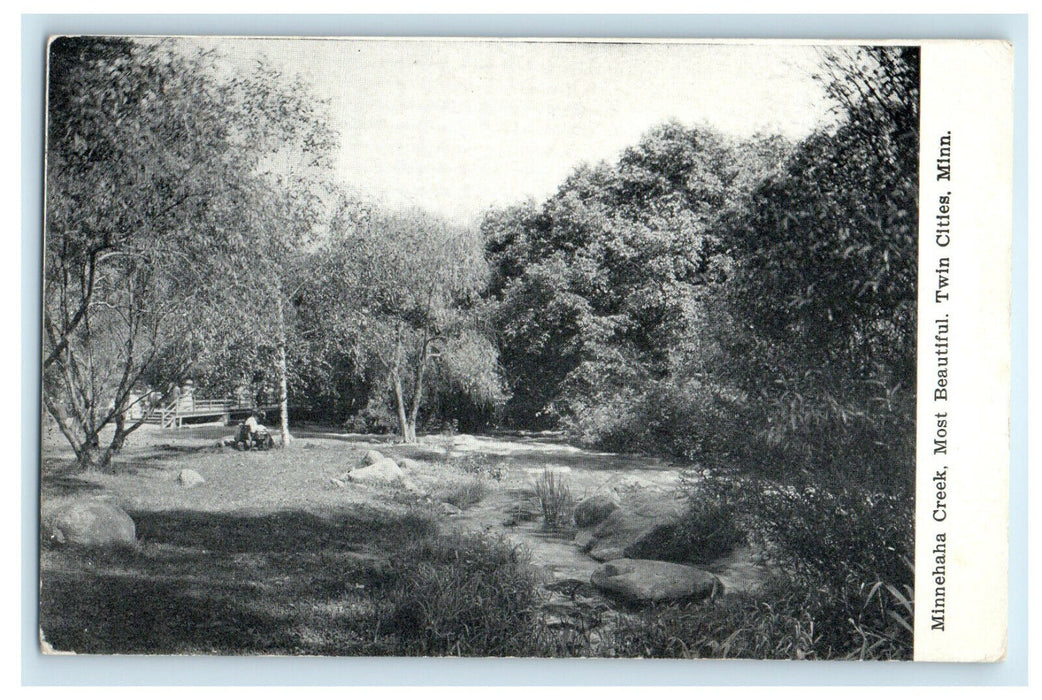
(390, 306)
(159, 196)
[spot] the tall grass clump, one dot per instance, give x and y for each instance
(466, 493)
(463, 595)
(555, 499)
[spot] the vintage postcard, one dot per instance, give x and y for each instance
(528, 348)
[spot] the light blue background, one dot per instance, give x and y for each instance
(101, 670)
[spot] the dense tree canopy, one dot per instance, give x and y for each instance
(161, 207)
(722, 299)
(599, 285)
(390, 307)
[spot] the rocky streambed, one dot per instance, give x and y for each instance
(603, 559)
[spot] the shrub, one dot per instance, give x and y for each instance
(854, 549)
(709, 529)
(472, 595)
(555, 499)
(785, 620)
(479, 465)
(690, 420)
(772, 626)
(463, 494)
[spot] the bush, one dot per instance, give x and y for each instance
(690, 420)
(472, 595)
(376, 418)
(772, 626)
(854, 550)
(464, 494)
(709, 529)
(555, 500)
(785, 620)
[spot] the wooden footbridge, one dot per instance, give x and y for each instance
(174, 414)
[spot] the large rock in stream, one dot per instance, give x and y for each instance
(594, 509)
(649, 581)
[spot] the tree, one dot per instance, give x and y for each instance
(398, 291)
(598, 287)
(153, 163)
(824, 282)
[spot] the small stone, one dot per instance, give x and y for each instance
(337, 482)
(449, 509)
(190, 478)
(372, 457)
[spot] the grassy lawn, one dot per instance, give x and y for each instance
(271, 556)
(289, 582)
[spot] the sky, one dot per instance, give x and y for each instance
(458, 126)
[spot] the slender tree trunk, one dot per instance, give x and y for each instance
(416, 397)
(403, 420)
(408, 431)
(283, 384)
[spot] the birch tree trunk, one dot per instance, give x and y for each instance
(280, 365)
(403, 421)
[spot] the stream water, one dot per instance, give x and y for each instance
(647, 488)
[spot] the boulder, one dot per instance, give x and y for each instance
(189, 478)
(410, 464)
(594, 509)
(92, 524)
(606, 551)
(384, 470)
(372, 457)
(648, 581)
(449, 509)
(584, 540)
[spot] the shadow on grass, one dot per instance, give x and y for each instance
(62, 485)
(137, 614)
(283, 531)
(278, 583)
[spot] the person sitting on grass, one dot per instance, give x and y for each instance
(253, 431)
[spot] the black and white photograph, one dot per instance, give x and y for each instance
(483, 347)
